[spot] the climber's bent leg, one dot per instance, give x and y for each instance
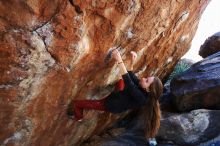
(79, 105)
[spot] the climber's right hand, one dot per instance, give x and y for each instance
(116, 55)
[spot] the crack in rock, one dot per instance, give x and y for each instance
(182, 18)
(46, 34)
(77, 8)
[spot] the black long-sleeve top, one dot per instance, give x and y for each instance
(132, 96)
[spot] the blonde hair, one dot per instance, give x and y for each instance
(152, 113)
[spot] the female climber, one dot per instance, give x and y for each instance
(130, 93)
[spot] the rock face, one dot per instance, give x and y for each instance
(190, 128)
(52, 52)
(199, 86)
(210, 46)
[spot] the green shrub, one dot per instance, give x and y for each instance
(180, 67)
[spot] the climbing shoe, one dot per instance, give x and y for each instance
(70, 112)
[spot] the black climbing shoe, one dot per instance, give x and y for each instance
(70, 112)
(70, 115)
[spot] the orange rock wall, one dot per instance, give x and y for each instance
(53, 51)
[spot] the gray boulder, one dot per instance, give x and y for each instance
(133, 135)
(189, 129)
(199, 86)
(210, 46)
(166, 100)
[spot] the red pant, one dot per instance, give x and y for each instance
(79, 105)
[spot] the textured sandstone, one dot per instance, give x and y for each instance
(52, 52)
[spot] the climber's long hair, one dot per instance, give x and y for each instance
(151, 110)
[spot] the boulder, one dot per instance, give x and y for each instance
(166, 100)
(27, 15)
(199, 86)
(212, 142)
(52, 52)
(128, 131)
(189, 129)
(132, 135)
(210, 46)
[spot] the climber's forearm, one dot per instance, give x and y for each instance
(130, 66)
(117, 56)
(122, 68)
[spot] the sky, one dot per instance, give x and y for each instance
(208, 25)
